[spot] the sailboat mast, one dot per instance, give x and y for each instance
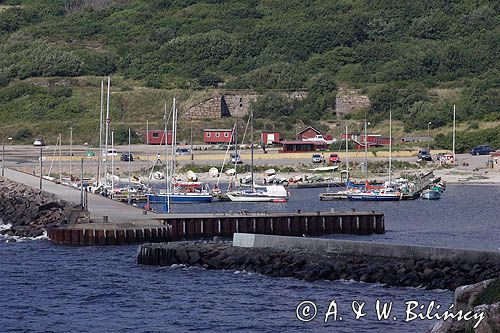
(251, 145)
(346, 153)
(147, 148)
(366, 151)
(99, 162)
(174, 135)
(112, 162)
(167, 192)
(454, 132)
(106, 135)
(129, 167)
(390, 144)
(235, 153)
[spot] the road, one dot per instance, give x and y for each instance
(28, 156)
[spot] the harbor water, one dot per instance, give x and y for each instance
(48, 288)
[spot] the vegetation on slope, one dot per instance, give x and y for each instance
(400, 52)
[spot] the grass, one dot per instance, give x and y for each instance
(490, 295)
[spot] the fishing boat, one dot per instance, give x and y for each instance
(385, 194)
(431, 195)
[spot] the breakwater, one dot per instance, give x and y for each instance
(313, 265)
(30, 211)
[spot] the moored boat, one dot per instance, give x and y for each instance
(431, 195)
(386, 194)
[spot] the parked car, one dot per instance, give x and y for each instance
(39, 142)
(126, 157)
(236, 159)
(424, 155)
(110, 152)
(481, 150)
(334, 158)
(317, 158)
(182, 151)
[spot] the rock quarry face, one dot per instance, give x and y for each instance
(30, 211)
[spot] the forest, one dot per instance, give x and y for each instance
(416, 57)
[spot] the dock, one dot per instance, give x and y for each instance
(116, 223)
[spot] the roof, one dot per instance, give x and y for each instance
(300, 142)
(310, 127)
(217, 130)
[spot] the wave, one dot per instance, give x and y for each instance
(8, 238)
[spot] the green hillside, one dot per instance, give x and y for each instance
(419, 57)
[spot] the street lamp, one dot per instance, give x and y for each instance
(192, 157)
(429, 136)
(40, 143)
(3, 155)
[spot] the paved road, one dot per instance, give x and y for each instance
(98, 205)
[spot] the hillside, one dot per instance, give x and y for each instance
(419, 57)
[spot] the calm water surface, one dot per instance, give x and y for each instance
(102, 289)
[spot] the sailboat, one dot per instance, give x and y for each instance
(258, 193)
(376, 193)
(179, 191)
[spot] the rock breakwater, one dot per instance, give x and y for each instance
(30, 211)
(310, 266)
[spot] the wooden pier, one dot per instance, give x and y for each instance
(205, 226)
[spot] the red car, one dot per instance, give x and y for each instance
(334, 158)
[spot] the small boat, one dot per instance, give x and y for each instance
(431, 195)
(386, 194)
(339, 195)
(184, 192)
(260, 193)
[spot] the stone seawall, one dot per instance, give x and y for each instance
(30, 211)
(314, 265)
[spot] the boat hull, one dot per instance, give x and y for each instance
(179, 198)
(254, 198)
(431, 195)
(361, 197)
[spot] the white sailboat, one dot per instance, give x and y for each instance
(176, 191)
(384, 193)
(258, 193)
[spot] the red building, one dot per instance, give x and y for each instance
(215, 136)
(308, 133)
(268, 138)
(373, 140)
(157, 137)
(295, 146)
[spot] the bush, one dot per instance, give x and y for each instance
(22, 135)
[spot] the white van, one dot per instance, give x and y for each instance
(110, 152)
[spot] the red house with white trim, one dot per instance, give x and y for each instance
(308, 133)
(157, 137)
(215, 136)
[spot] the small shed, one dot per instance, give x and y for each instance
(157, 137)
(269, 138)
(216, 136)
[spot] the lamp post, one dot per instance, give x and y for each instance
(192, 156)
(429, 136)
(40, 143)
(3, 155)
